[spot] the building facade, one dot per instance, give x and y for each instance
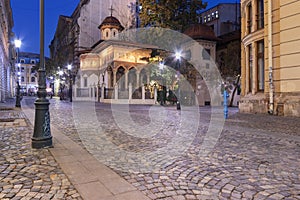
(224, 19)
(27, 72)
(270, 57)
(79, 32)
(114, 70)
(7, 81)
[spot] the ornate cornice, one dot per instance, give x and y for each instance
(252, 37)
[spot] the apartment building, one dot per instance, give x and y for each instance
(270, 57)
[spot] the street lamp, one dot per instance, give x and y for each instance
(70, 82)
(42, 134)
(18, 44)
(61, 95)
(161, 94)
(178, 57)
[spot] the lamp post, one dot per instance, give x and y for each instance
(70, 82)
(178, 57)
(18, 97)
(161, 94)
(61, 95)
(42, 135)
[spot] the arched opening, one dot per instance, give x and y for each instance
(132, 77)
(120, 78)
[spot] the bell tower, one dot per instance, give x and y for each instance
(110, 27)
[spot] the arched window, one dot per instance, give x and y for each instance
(33, 79)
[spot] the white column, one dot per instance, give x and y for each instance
(116, 91)
(115, 78)
(143, 92)
(137, 79)
(130, 91)
(126, 79)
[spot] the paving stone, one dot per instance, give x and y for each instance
(25, 173)
(256, 156)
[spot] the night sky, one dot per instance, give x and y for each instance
(26, 20)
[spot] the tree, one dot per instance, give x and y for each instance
(50, 67)
(173, 14)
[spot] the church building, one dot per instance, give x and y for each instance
(114, 71)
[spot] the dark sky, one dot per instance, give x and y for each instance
(26, 20)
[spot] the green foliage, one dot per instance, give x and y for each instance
(173, 14)
(50, 67)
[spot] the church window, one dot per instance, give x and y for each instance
(107, 34)
(206, 54)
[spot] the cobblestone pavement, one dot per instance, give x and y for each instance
(26, 173)
(257, 156)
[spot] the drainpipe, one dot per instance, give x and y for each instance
(270, 55)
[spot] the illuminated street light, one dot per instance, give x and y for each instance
(18, 43)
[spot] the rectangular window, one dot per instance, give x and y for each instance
(260, 14)
(260, 66)
(249, 18)
(250, 62)
(85, 82)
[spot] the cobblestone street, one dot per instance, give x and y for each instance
(26, 173)
(256, 156)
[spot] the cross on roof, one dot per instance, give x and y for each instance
(111, 10)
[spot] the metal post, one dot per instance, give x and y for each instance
(18, 97)
(225, 96)
(178, 80)
(70, 87)
(42, 135)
